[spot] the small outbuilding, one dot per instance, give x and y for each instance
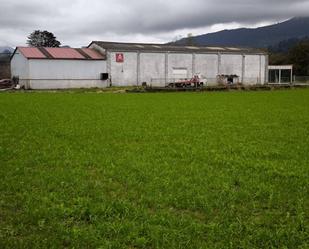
(58, 68)
(280, 74)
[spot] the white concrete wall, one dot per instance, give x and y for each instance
(231, 64)
(264, 66)
(66, 84)
(123, 74)
(207, 64)
(180, 61)
(254, 69)
(20, 68)
(62, 74)
(152, 68)
(66, 69)
(156, 68)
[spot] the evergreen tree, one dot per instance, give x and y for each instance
(299, 57)
(44, 38)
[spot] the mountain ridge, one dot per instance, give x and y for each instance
(5, 49)
(261, 37)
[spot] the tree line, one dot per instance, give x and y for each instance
(297, 54)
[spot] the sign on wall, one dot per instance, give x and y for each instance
(180, 72)
(119, 57)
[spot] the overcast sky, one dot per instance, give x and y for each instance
(77, 22)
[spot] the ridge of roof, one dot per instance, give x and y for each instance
(128, 46)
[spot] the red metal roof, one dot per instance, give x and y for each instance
(64, 53)
(61, 53)
(32, 53)
(92, 53)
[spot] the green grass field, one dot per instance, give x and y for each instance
(174, 170)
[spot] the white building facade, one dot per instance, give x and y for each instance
(130, 64)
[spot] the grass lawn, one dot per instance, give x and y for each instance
(173, 170)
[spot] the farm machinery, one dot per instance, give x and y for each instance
(9, 84)
(195, 82)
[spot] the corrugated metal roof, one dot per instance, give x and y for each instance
(119, 46)
(61, 53)
(32, 53)
(64, 53)
(92, 53)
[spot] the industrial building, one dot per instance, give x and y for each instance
(105, 64)
(58, 68)
(157, 64)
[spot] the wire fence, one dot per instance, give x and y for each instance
(163, 82)
(282, 81)
(296, 80)
(301, 79)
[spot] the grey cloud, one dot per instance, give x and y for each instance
(19, 14)
(79, 20)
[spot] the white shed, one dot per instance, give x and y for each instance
(58, 68)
